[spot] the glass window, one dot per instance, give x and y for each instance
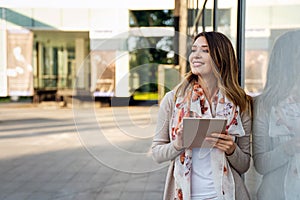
(148, 52)
(265, 21)
(148, 18)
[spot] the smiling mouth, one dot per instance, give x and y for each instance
(197, 64)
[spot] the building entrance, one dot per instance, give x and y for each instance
(55, 61)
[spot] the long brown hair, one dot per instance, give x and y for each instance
(226, 70)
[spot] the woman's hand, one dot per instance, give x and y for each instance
(222, 141)
(178, 141)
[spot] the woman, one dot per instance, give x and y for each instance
(276, 125)
(210, 90)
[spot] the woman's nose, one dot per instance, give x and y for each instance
(198, 54)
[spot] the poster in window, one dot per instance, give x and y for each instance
(19, 62)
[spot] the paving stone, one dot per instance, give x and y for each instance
(42, 156)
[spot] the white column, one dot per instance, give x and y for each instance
(122, 74)
(80, 66)
(3, 56)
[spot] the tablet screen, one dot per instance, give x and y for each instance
(196, 129)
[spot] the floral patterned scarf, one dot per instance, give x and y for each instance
(195, 104)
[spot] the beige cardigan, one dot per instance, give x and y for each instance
(163, 150)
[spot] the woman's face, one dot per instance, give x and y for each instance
(200, 60)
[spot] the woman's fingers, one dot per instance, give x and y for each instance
(217, 137)
(222, 141)
(179, 144)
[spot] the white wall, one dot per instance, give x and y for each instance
(267, 17)
(3, 64)
(128, 4)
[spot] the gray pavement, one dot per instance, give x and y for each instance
(44, 156)
(81, 153)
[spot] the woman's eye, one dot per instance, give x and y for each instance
(201, 50)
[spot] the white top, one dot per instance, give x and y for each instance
(202, 186)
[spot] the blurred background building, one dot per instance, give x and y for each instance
(115, 49)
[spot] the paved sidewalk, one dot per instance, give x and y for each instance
(51, 153)
(43, 156)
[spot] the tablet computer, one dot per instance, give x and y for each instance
(196, 129)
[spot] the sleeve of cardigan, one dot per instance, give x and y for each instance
(240, 159)
(266, 157)
(163, 148)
